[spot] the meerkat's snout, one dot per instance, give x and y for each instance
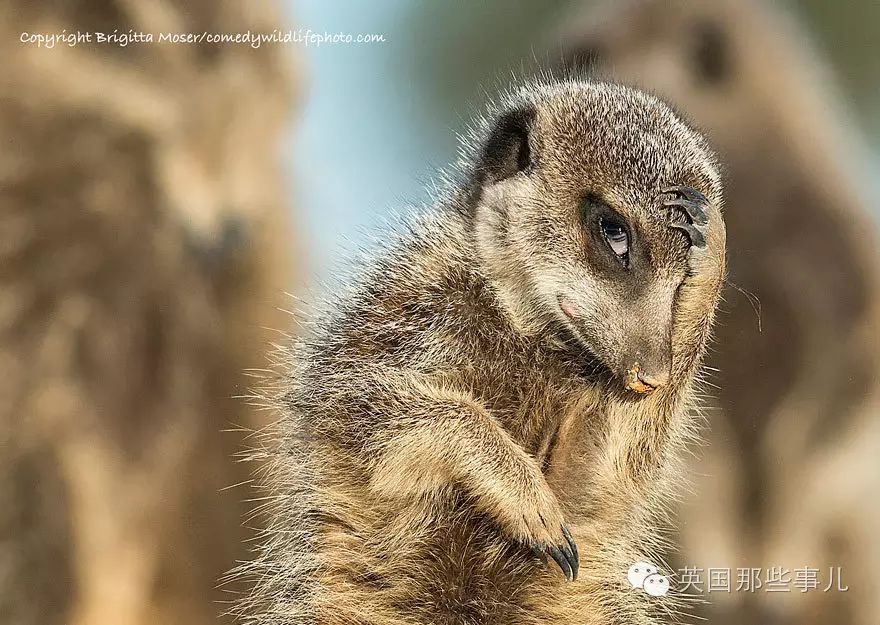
(642, 381)
(643, 366)
(648, 369)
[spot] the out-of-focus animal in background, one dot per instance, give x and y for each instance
(142, 241)
(789, 477)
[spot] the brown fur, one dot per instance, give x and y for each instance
(140, 254)
(797, 394)
(445, 414)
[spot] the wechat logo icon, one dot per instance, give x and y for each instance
(645, 575)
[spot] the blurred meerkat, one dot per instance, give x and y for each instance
(143, 246)
(507, 385)
(797, 376)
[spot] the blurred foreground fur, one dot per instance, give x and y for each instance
(789, 477)
(140, 254)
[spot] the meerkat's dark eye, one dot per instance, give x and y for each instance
(617, 237)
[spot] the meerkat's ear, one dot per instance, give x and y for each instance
(506, 151)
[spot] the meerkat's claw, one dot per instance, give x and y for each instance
(694, 206)
(692, 201)
(562, 560)
(573, 550)
(698, 239)
(538, 551)
(565, 555)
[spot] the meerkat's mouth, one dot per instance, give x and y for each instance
(572, 323)
(567, 308)
(572, 317)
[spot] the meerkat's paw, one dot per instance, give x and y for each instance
(537, 522)
(689, 212)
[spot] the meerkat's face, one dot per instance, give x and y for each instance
(571, 221)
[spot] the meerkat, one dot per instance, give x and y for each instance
(485, 427)
(796, 366)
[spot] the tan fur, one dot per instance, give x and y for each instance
(445, 415)
(143, 247)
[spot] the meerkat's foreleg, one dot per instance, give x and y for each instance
(704, 227)
(448, 438)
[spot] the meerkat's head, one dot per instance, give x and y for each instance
(568, 209)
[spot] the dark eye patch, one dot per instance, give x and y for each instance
(609, 230)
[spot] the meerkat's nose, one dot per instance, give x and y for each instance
(644, 381)
(654, 380)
